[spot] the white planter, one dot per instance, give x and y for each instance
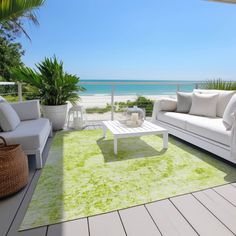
(56, 114)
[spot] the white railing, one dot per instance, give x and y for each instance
(19, 88)
(112, 85)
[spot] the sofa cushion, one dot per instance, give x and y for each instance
(227, 117)
(210, 128)
(184, 102)
(9, 119)
(27, 110)
(223, 99)
(204, 104)
(198, 125)
(173, 118)
(167, 104)
(30, 134)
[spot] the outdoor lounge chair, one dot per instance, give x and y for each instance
(32, 132)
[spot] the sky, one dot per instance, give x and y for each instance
(136, 39)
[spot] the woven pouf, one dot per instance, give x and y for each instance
(13, 169)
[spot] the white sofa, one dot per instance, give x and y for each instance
(32, 132)
(206, 132)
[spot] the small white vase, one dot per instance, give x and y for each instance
(56, 114)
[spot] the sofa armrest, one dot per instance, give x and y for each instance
(156, 109)
(163, 104)
(233, 137)
(27, 110)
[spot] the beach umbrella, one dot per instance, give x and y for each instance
(224, 1)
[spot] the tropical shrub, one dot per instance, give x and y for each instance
(219, 84)
(50, 82)
(141, 102)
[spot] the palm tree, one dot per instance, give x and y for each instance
(11, 11)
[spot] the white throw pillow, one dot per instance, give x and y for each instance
(223, 99)
(204, 104)
(184, 102)
(9, 119)
(230, 109)
(167, 104)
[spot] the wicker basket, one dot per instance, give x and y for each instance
(13, 168)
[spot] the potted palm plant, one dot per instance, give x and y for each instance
(54, 87)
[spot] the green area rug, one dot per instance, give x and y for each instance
(82, 177)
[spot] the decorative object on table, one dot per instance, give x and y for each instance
(13, 168)
(78, 115)
(54, 86)
(134, 117)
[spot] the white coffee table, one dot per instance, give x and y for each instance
(120, 130)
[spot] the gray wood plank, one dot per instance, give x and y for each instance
(9, 207)
(221, 208)
(21, 212)
(138, 222)
(33, 232)
(70, 228)
(228, 192)
(234, 185)
(199, 217)
(106, 225)
(169, 220)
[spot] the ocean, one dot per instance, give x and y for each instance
(137, 89)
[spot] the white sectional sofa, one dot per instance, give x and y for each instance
(32, 132)
(208, 133)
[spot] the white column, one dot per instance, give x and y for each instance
(115, 145)
(104, 128)
(19, 86)
(177, 87)
(112, 102)
(165, 140)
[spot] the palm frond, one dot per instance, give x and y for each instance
(12, 9)
(21, 28)
(32, 17)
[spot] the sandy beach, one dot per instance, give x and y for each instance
(102, 100)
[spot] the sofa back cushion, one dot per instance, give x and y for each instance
(184, 102)
(223, 98)
(27, 110)
(167, 104)
(204, 104)
(230, 109)
(9, 119)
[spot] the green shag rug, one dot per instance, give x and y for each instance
(82, 177)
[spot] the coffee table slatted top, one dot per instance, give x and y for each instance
(146, 128)
(120, 130)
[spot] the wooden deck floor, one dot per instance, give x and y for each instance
(210, 212)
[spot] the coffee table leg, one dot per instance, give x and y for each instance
(115, 145)
(165, 140)
(104, 128)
